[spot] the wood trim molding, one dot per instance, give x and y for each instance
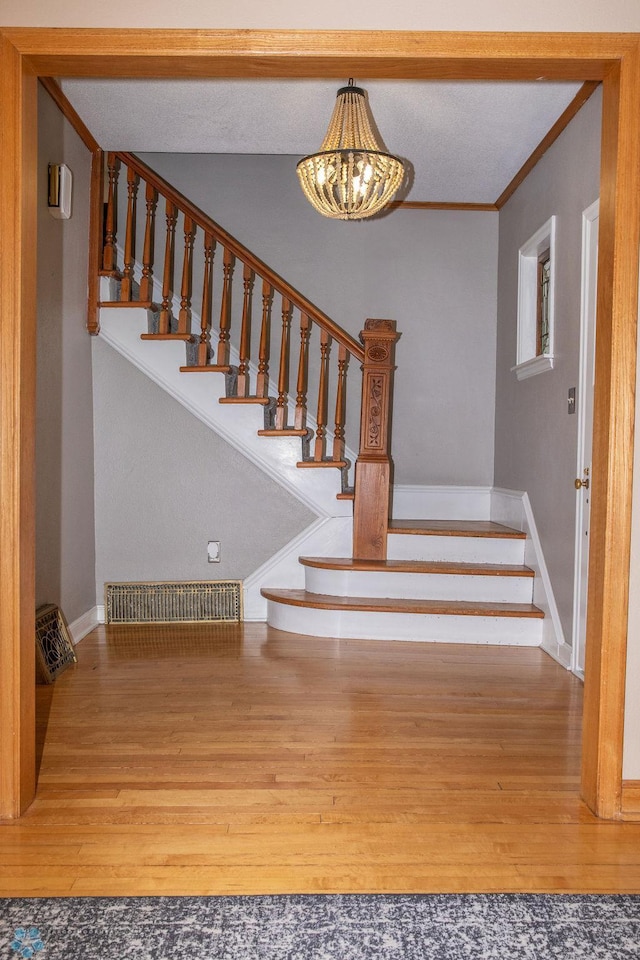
(442, 205)
(401, 54)
(18, 193)
(583, 94)
(55, 92)
(613, 439)
(612, 58)
(630, 802)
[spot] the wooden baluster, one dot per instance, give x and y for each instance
(110, 256)
(184, 316)
(280, 419)
(164, 323)
(245, 334)
(126, 287)
(204, 348)
(262, 380)
(319, 446)
(300, 421)
(373, 466)
(225, 309)
(146, 283)
(341, 396)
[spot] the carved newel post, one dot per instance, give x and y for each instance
(373, 466)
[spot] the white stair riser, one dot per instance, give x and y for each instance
(368, 625)
(429, 586)
(404, 546)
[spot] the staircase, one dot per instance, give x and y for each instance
(460, 581)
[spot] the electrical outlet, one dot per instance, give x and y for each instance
(213, 551)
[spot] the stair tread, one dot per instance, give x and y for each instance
(420, 566)
(207, 368)
(456, 528)
(262, 400)
(321, 601)
(285, 432)
(187, 337)
(322, 463)
(130, 304)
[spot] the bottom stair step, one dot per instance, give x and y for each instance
(377, 618)
(441, 608)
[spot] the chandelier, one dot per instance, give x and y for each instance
(350, 178)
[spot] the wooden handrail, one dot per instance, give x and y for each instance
(242, 253)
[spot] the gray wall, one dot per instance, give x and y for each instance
(432, 271)
(166, 484)
(536, 439)
(65, 548)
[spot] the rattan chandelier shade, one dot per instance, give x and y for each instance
(350, 177)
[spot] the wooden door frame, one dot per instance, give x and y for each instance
(613, 59)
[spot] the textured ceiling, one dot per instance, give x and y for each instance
(465, 141)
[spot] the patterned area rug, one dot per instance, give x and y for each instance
(344, 927)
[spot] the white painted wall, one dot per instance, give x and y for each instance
(536, 438)
(431, 271)
(165, 484)
(65, 548)
(498, 15)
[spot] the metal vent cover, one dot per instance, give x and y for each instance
(192, 601)
(54, 649)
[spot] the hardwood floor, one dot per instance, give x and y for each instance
(238, 759)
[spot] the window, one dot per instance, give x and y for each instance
(536, 260)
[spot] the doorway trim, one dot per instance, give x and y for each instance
(613, 59)
(588, 284)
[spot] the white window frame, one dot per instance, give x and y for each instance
(527, 363)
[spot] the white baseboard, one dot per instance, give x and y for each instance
(513, 508)
(328, 537)
(100, 613)
(553, 641)
(507, 508)
(432, 502)
(85, 624)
